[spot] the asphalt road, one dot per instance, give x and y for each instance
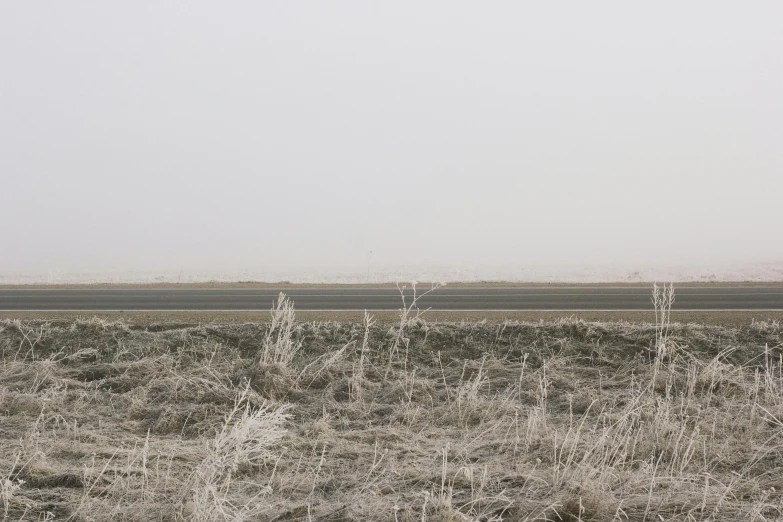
(377, 299)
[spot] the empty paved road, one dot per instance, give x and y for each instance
(385, 298)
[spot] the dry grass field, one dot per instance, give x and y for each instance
(325, 421)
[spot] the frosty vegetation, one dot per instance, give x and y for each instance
(291, 421)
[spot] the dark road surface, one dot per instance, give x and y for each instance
(446, 298)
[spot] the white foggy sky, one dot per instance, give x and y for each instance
(220, 136)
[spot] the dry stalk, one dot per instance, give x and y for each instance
(279, 346)
(409, 313)
(662, 299)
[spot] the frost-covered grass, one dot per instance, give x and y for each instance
(563, 420)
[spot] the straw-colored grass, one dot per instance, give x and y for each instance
(562, 421)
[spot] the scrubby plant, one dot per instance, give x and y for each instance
(8, 488)
(409, 314)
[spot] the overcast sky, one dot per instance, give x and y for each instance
(219, 136)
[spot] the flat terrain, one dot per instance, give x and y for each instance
(286, 286)
(728, 318)
(385, 298)
(562, 420)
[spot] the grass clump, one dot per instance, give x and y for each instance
(279, 345)
(245, 440)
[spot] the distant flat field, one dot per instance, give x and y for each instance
(421, 285)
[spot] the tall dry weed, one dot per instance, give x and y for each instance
(279, 345)
(663, 299)
(410, 313)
